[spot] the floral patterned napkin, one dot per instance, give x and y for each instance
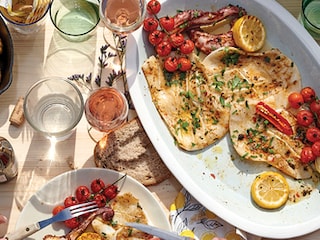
(189, 218)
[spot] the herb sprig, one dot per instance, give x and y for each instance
(106, 54)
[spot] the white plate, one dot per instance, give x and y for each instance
(40, 205)
(228, 194)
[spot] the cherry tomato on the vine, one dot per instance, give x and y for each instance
(313, 134)
(187, 47)
(308, 94)
(164, 48)
(150, 24)
(153, 7)
(295, 100)
(82, 193)
(57, 209)
(315, 107)
(72, 223)
(171, 64)
(307, 155)
(184, 64)
(97, 185)
(156, 37)
(110, 192)
(70, 201)
(304, 118)
(176, 39)
(167, 23)
(316, 148)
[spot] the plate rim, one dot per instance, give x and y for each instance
(99, 172)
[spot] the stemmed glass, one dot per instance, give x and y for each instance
(121, 17)
(106, 109)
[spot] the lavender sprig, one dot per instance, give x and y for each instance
(105, 55)
(103, 61)
(82, 80)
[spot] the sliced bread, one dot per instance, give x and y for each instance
(129, 150)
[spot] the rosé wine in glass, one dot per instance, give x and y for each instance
(122, 16)
(106, 109)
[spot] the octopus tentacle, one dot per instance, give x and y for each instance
(191, 19)
(207, 42)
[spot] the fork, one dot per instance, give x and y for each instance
(67, 213)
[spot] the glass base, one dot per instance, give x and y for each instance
(95, 134)
(113, 39)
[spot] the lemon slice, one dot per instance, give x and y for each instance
(249, 33)
(270, 190)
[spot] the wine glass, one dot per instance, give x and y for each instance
(106, 109)
(121, 17)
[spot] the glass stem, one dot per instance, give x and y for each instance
(121, 45)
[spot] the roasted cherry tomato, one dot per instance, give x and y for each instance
(307, 155)
(184, 64)
(176, 39)
(153, 7)
(72, 223)
(97, 185)
(316, 148)
(164, 48)
(295, 100)
(110, 192)
(70, 201)
(167, 23)
(304, 118)
(57, 209)
(171, 64)
(82, 193)
(315, 107)
(156, 37)
(308, 94)
(150, 24)
(187, 47)
(313, 134)
(100, 199)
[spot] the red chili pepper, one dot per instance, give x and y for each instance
(276, 119)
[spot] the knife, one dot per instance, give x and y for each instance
(163, 234)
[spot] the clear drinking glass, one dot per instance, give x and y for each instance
(31, 24)
(106, 109)
(75, 20)
(121, 17)
(53, 106)
(310, 17)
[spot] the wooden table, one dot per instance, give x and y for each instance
(38, 161)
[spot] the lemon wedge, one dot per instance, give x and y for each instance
(249, 33)
(218, 27)
(270, 190)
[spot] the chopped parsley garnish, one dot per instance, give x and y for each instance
(230, 58)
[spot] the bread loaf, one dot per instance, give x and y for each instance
(129, 150)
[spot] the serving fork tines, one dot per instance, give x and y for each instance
(67, 213)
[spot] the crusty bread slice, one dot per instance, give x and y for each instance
(129, 150)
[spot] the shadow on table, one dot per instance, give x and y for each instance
(44, 160)
(26, 47)
(66, 58)
(27, 68)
